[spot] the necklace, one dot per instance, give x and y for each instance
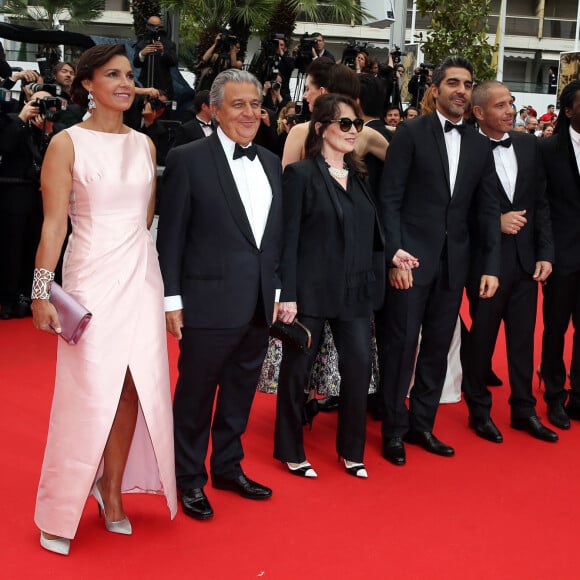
(337, 172)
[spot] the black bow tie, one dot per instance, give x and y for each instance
(204, 124)
(249, 152)
(449, 126)
(504, 143)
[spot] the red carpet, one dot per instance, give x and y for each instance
(492, 512)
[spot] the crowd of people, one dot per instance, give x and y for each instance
(363, 223)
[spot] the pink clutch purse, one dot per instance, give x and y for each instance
(73, 316)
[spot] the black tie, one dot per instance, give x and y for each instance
(449, 126)
(249, 152)
(204, 124)
(504, 143)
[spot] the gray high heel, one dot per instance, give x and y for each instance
(57, 545)
(122, 526)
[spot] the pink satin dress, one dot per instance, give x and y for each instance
(111, 267)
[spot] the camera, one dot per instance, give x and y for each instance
(225, 42)
(54, 90)
(292, 119)
(153, 34)
(351, 51)
(158, 104)
(50, 107)
(396, 54)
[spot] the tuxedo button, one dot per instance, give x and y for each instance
(257, 251)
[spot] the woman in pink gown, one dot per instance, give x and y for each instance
(111, 424)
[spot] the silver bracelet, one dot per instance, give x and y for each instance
(41, 282)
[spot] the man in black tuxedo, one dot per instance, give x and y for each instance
(560, 154)
(437, 172)
(201, 125)
(527, 254)
(219, 244)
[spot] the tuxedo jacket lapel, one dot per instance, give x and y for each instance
(230, 189)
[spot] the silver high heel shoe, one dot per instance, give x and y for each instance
(122, 526)
(57, 545)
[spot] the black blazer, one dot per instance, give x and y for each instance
(534, 241)
(207, 251)
(563, 194)
(419, 213)
(188, 132)
(313, 260)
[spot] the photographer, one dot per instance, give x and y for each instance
(64, 75)
(220, 56)
(23, 140)
(162, 137)
(419, 83)
(155, 54)
(272, 92)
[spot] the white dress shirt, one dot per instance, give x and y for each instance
(453, 146)
(256, 195)
(506, 166)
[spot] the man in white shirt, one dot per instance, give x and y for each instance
(527, 254)
(219, 244)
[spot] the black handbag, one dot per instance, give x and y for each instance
(295, 334)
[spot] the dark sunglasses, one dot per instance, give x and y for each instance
(345, 124)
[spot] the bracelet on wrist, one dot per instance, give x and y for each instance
(41, 282)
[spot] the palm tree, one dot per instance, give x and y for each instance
(47, 12)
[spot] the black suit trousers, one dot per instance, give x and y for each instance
(561, 302)
(515, 302)
(231, 358)
(352, 339)
(433, 310)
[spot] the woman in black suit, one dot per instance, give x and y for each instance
(332, 269)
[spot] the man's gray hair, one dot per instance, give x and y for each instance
(232, 75)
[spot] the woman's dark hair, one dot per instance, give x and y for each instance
(566, 101)
(326, 109)
(318, 71)
(90, 60)
(343, 80)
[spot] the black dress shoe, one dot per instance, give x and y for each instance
(429, 442)
(486, 429)
(558, 417)
(535, 428)
(394, 451)
(573, 411)
(328, 404)
(195, 504)
(242, 486)
(492, 380)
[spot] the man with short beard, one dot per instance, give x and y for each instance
(437, 173)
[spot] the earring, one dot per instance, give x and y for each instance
(92, 104)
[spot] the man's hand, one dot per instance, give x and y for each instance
(542, 271)
(405, 261)
(513, 221)
(174, 323)
(26, 76)
(400, 279)
(28, 112)
(488, 286)
(287, 312)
